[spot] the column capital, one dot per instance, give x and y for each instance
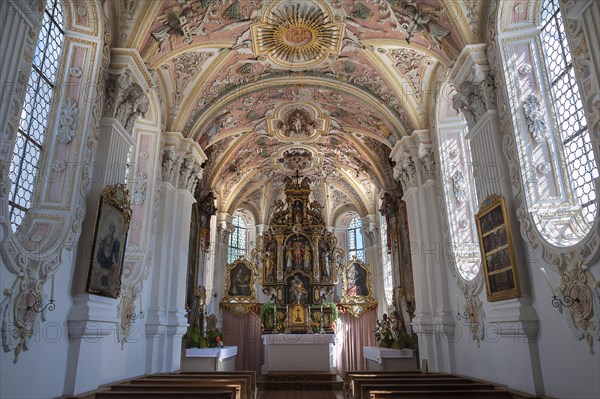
(474, 84)
(183, 160)
(224, 226)
(415, 163)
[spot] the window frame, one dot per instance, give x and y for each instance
(356, 229)
(238, 232)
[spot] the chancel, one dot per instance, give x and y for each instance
(253, 199)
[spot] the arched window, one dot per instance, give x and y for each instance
(460, 195)
(237, 239)
(356, 245)
(568, 107)
(36, 112)
(386, 262)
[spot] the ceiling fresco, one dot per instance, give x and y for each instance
(319, 88)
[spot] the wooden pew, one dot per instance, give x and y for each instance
(355, 383)
(365, 389)
(472, 394)
(144, 394)
(241, 385)
(247, 379)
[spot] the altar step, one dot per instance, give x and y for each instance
(297, 381)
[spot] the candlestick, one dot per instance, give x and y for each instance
(141, 308)
(52, 289)
(457, 305)
(547, 279)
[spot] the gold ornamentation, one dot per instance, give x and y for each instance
(357, 294)
(297, 36)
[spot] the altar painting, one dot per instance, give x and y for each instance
(240, 282)
(357, 291)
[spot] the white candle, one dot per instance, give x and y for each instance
(457, 306)
(52, 289)
(321, 308)
(141, 301)
(547, 279)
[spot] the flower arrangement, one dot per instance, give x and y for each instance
(388, 335)
(213, 338)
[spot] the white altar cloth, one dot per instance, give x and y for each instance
(387, 359)
(378, 354)
(298, 352)
(209, 359)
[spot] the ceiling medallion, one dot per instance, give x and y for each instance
(293, 159)
(297, 123)
(297, 35)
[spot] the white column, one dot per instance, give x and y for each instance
(415, 168)
(372, 242)
(166, 322)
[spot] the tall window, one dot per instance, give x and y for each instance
(569, 111)
(386, 259)
(356, 245)
(36, 112)
(237, 240)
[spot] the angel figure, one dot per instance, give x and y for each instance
(174, 19)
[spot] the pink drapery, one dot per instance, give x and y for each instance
(352, 334)
(244, 332)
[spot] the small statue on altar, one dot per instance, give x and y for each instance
(306, 258)
(269, 264)
(297, 290)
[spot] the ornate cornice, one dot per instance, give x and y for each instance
(125, 100)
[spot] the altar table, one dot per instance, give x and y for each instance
(387, 359)
(298, 352)
(209, 359)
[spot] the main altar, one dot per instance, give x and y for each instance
(299, 260)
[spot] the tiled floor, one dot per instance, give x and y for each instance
(300, 395)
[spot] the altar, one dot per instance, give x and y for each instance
(298, 352)
(387, 359)
(209, 359)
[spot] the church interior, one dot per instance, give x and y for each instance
(265, 196)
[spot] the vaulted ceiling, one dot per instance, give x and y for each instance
(324, 88)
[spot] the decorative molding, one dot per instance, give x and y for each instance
(476, 96)
(406, 172)
(189, 175)
(125, 100)
(170, 166)
(536, 121)
(67, 124)
(140, 186)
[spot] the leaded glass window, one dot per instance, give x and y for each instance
(237, 240)
(35, 114)
(356, 245)
(579, 156)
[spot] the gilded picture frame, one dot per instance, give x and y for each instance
(109, 243)
(240, 282)
(357, 291)
(497, 251)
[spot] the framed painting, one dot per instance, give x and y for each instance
(240, 282)
(110, 239)
(357, 287)
(497, 252)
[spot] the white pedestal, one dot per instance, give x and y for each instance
(386, 359)
(209, 359)
(298, 352)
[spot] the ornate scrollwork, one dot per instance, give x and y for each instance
(534, 113)
(125, 100)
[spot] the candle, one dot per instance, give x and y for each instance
(321, 308)
(52, 289)
(457, 306)
(547, 279)
(141, 301)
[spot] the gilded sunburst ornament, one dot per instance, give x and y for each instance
(297, 35)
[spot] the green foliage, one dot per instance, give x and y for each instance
(266, 308)
(334, 311)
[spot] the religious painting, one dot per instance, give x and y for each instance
(497, 250)
(298, 253)
(357, 290)
(297, 316)
(240, 282)
(298, 289)
(110, 238)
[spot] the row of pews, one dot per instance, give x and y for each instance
(417, 385)
(185, 385)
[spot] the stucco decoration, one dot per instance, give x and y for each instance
(475, 97)
(140, 186)
(67, 124)
(297, 34)
(406, 172)
(536, 121)
(583, 253)
(125, 100)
